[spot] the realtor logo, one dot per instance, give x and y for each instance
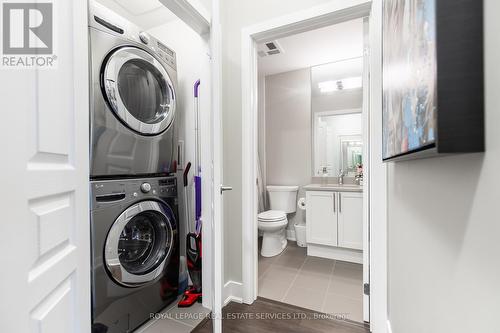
(28, 34)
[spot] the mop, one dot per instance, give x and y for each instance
(193, 239)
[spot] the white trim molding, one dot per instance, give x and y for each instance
(389, 327)
(232, 292)
(190, 12)
(335, 253)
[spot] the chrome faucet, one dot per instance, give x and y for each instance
(341, 176)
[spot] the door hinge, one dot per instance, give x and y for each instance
(366, 289)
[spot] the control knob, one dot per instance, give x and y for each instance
(145, 187)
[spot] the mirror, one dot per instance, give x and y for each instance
(337, 100)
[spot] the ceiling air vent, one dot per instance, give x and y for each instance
(269, 48)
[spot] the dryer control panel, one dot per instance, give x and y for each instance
(104, 19)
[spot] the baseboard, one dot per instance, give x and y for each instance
(336, 253)
(233, 292)
(290, 235)
(389, 328)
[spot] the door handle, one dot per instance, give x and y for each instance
(224, 188)
(340, 203)
(334, 199)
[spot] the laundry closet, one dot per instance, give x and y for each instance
(150, 177)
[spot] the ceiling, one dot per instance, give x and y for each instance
(315, 47)
(146, 14)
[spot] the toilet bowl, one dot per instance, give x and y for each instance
(272, 223)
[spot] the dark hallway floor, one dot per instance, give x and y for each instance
(263, 316)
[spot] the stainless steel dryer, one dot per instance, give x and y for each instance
(133, 100)
(135, 251)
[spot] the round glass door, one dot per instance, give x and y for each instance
(141, 247)
(139, 243)
(139, 90)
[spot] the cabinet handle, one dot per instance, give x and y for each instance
(334, 208)
(340, 203)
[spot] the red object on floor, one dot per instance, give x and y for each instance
(190, 297)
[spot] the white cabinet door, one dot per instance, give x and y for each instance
(350, 220)
(44, 139)
(321, 218)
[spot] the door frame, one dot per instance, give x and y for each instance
(208, 25)
(376, 183)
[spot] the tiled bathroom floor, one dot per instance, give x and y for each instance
(176, 320)
(324, 285)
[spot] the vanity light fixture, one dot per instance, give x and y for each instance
(343, 84)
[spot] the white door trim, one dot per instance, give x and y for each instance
(315, 17)
(377, 181)
(190, 12)
(366, 153)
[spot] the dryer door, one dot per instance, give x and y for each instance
(139, 90)
(139, 243)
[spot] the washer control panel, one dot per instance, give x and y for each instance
(168, 187)
(110, 192)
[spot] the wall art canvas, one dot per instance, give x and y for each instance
(409, 76)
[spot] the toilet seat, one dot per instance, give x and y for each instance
(271, 216)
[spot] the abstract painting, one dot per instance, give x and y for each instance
(409, 76)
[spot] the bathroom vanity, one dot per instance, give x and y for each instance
(334, 212)
(334, 220)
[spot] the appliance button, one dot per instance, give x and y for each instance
(144, 37)
(145, 187)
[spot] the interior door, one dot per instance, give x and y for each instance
(217, 169)
(44, 139)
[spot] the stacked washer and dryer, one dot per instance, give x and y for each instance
(134, 215)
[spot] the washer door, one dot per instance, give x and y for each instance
(139, 90)
(139, 243)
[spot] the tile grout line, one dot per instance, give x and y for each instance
(328, 288)
(294, 279)
(271, 265)
(150, 322)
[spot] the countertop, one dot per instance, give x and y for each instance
(334, 187)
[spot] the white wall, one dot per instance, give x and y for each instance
(235, 15)
(288, 132)
(444, 227)
(193, 63)
(190, 51)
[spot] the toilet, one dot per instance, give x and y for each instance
(272, 223)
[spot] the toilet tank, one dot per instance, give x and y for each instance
(283, 198)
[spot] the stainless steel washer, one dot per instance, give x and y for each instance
(135, 251)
